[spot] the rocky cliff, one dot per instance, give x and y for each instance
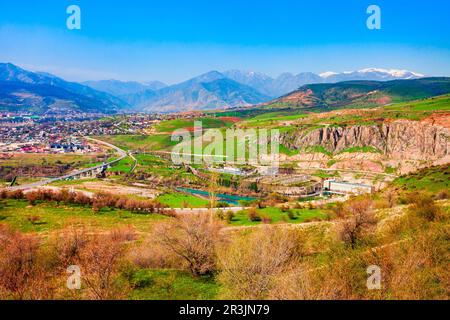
(401, 139)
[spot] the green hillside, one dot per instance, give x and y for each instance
(362, 94)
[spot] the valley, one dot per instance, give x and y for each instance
(378, 151)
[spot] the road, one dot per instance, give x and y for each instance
(135, 164)
(123, 154)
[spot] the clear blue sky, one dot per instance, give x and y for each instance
(173, 40)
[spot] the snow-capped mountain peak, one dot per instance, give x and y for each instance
(327, 74)
(404, 74)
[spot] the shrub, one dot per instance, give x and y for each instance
(229, 216)
(358, 220)
(17, 195)
(253, 215)
(443, 195)
(3, 194)
(222, 205)
(291, 215)
(193, 238)
(34, 219)
(424, 206)
(266, 219)
(82, 199)
(19, 272)
(220, 215)
(391, 198)
(32, 197)
(249, 265)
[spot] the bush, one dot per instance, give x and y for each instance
(250, 264)
(34, 219)
(291, 215)
(222, 205)
(3, 194)
(193, 238)
(266, 219)
(358, 221)
(443, 195)
(424, 206)
(220, 215)
(253, 215)
(229, 216)
(20, 274)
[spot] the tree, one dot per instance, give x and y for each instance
(18, 264)
(99, 262)
(250, 265)
(358, 220)
(194, 239)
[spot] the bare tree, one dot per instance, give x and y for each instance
(251, 265)
(19, 268)
(193, 238)
(358, 220)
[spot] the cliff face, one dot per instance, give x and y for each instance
(397, 140)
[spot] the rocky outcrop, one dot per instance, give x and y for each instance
(401, 139)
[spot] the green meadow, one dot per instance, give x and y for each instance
(181, 200)
(276, 215)
(433, 179)
(162, 284)
(52, 216)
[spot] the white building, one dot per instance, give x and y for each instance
(268, 171)
(346, 187)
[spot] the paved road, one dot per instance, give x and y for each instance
(135, 162)
(123, 154)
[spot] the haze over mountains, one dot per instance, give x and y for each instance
(43, 93)
(38, 92)
(232, 88)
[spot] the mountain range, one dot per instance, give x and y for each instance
(361, 94)
(232, 88)
(42, 93)
(288, 82)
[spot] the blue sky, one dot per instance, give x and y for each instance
(174, 40)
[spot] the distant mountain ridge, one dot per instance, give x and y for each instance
(241, 88)
(360, 94)
(288, 82)
(41, 93)
(120, 88)
(211, 90)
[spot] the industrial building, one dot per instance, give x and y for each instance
(340, 187)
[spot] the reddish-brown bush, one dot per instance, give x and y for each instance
(358, 220)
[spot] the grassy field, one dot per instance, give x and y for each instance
(276, 215)
(207, 123)
(367, 149)
(140, 142)
(433, 179)
(54, 217)
(180, 200)
(271, 119)
(431, 104)
(123, 165)
(25, 159)
(171, 285)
